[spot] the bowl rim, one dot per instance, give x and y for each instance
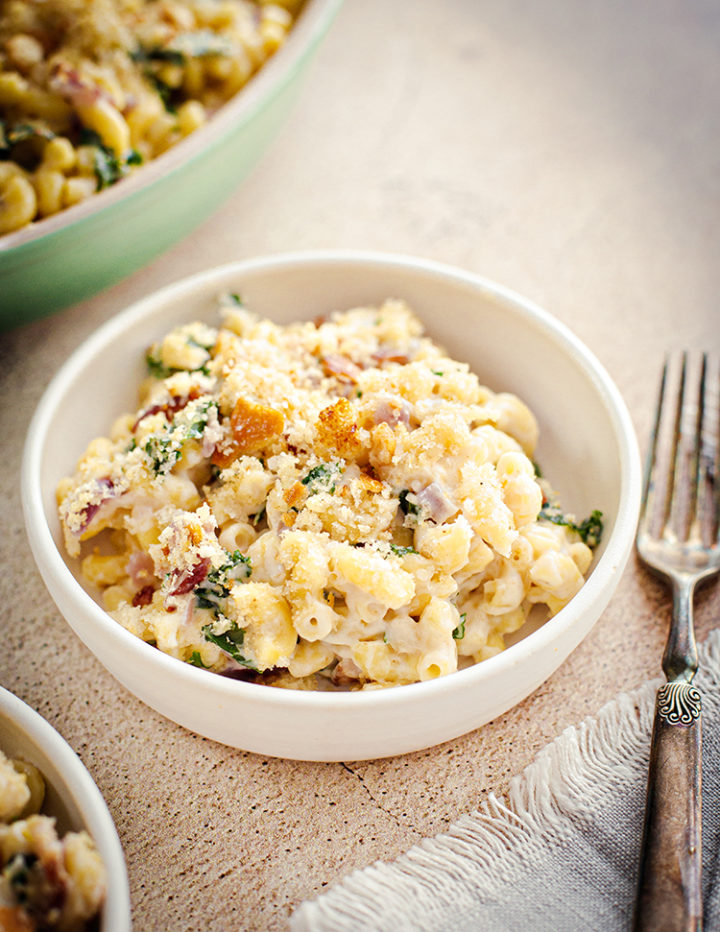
(97, 820)
(612, 560)
(313, 20)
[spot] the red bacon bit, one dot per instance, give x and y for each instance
(196, 575)
(439, 506)
(143, 596)
(388, 354)
(89, 511)
(346, 673)
(169, 408)
(140, 568)
(342, 368)
(392, 413)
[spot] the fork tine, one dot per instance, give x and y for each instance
(649, 499)
(687, 478)
(708, 467)
(675, 490)
(695, 463)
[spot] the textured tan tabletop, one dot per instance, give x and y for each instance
(567, 150)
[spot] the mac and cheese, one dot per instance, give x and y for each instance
(92, 89)
(46, 882)
(335, 503)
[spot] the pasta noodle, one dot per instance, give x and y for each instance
(338, 503)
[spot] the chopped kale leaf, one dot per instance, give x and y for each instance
(231, 299)
(407, 506)
(230, 641)
(322, 478)
(159, 370)
(459, 632)
(166, 94)
(22, 876)
(196, 660)
(216, 585)
(158, 54)
(401, 551)
(162, 452)
(202, 416)
(590, 530)
(108, 166)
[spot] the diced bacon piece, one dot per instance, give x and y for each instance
(168, 408)
(104, 490)
(187, 582)
(68, 83)
(341, 368)
(346, 673)
(438, 505)
(143, 596)
(388, 354)
(252, 427)
(140, 567)
(392, 413)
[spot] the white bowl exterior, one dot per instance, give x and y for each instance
(71, 797)
(587, 448)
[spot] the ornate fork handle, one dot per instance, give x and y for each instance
(670, 888)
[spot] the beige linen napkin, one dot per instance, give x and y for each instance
(559, 853)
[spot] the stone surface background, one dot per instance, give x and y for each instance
(567, 150)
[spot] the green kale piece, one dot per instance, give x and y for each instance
(407, 506)
(322, 478)
(196, 660)
(401, 551)
(156, 53)
(202, 416)
(590, 530)
(459, 632)
(160, 371)
(157, 368)
(107, 165)
(161, 451)
(230, 641)
(216, 585)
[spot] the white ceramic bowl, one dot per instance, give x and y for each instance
(70, 796)
(587, 447)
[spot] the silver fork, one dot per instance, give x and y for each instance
(678, 538)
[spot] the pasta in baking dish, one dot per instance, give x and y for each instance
(47, 880)
(325, 504)
(92, 89)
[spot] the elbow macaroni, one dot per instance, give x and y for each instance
(246, 518)
(90, 89)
